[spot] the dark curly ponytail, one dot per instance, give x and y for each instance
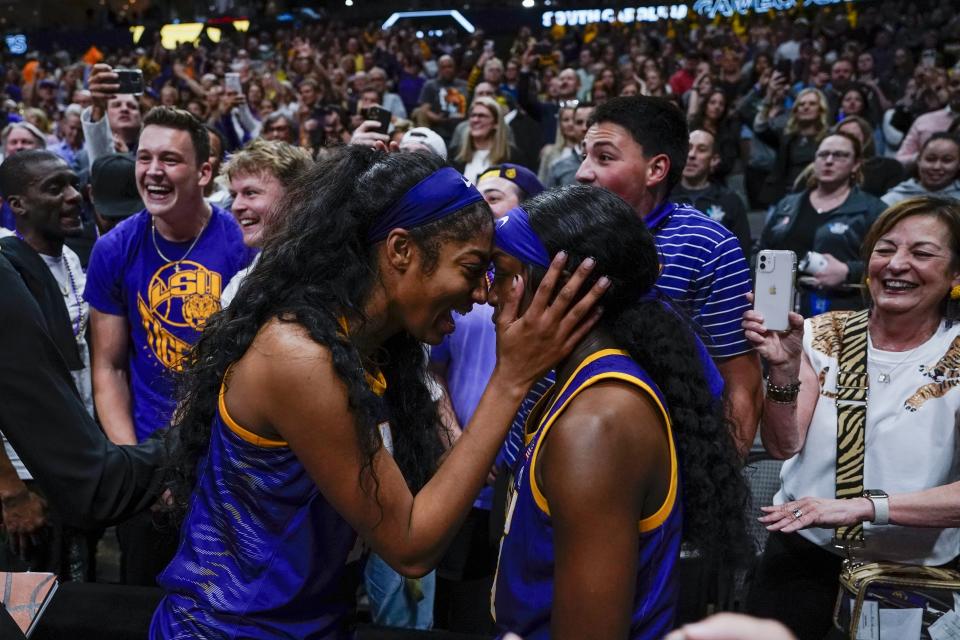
(317, 267)
(590, 222)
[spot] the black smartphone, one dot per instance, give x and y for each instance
(785, 69)
(543, 49)
(379, 114)
(130, 81)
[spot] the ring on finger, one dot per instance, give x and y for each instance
(797, 513)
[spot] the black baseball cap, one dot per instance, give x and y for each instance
(114, 185)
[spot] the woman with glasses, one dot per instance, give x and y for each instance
(830, 218)
(484, 142)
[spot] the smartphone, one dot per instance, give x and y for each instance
(379, 114)
(231, 81)
(488, 45)
(543, 49)
(785, 68)
(130, 80)
(774, 287)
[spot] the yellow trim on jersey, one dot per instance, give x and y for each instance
(660, 516)
(244, 434)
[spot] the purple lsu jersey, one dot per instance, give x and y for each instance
(262, 553)
(522, 596)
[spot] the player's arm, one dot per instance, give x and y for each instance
(287, 382)
(603, 465)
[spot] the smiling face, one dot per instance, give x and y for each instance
(168, 178)
(254, 199)
(939, 164)
(425, 296)
(912, 267)
(482, 122)
(49, 205)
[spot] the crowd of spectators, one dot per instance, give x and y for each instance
(821, 118)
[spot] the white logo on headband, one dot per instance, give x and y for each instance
(466, 181)
(502, 221)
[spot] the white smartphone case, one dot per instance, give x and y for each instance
(774, 287)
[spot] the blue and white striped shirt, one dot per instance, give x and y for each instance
(705, 272)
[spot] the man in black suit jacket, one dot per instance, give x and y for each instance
(90, 481)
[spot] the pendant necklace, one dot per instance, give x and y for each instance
(886, 376)
(176, 264)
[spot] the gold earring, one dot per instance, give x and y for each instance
(867, 280)
(955, 292)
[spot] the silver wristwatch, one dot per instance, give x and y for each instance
(881, 505)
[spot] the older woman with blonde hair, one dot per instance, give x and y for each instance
(484, 143)
(901, 485)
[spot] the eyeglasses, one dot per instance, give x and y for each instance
(480, 116)
(839, 155)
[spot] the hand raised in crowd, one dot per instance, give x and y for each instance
(230, 100)
(703, 83)
(776, 85)
(368, 135)
(24, 516)
(776, 347)
(103, 85)
(119, 145)
(816, 512)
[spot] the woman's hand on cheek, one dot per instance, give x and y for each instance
(529, 346)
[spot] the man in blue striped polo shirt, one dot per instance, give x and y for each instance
(636, 147)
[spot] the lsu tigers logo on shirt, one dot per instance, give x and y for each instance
(177, 300)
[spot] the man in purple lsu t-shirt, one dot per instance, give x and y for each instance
(152, 283)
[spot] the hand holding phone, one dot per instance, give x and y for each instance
(774, 287)
(379, 114)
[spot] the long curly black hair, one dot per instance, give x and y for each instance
(317, 267)
(591, 222)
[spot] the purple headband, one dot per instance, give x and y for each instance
(514, 235)
(438, 195)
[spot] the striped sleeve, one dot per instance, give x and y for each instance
(705, 272)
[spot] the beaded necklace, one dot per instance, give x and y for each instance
(79, 323)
